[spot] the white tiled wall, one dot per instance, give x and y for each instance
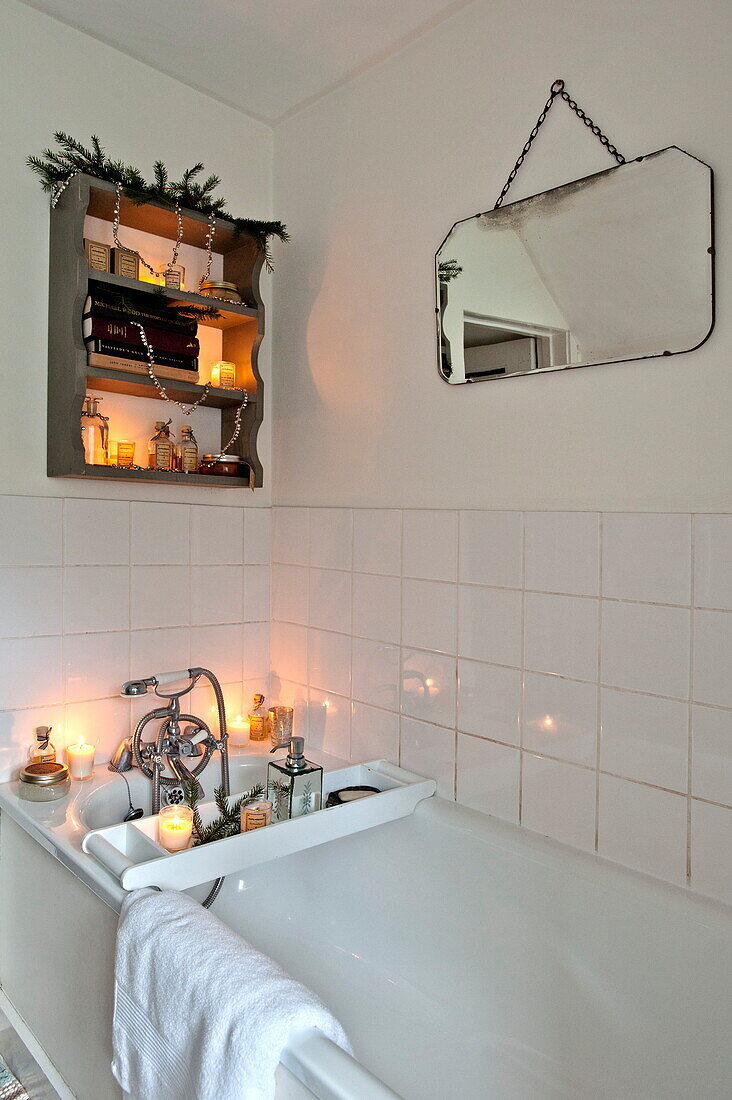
(568, 671)
(94, 592)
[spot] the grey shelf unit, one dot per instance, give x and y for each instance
(69, 376)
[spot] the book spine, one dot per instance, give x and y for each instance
(132, 366)
(100, 306)
(126, 351)
(124, 332)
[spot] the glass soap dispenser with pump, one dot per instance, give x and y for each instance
(295, 785)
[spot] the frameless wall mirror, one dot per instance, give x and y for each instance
(612, 267)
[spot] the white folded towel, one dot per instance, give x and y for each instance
(199, 1014)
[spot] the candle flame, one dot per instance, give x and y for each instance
(548, 722)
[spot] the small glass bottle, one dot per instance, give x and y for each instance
(160, 449)
(187, 450)
(295, 786)
(42, 752)
(94, 433)
(258, 724)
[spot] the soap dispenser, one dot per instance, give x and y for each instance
(295, 786)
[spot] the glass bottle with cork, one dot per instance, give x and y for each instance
(258, 722)
(187, 450)
(161, 449)
(94, 433)
(42, 752)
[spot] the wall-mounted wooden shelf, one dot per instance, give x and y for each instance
(69, 376)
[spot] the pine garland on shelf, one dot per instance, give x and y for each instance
(56, 166)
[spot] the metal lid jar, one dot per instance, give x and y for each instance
(44, 782)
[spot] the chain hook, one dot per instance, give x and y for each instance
(557, 87)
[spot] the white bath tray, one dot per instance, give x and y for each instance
(130, 851)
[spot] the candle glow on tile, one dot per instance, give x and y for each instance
(175, 827)
(80, 759)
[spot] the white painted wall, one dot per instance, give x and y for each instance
(54, 78)
(370, 179)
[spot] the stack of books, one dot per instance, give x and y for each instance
(114, 342)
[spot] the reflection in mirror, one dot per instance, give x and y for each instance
(613, 267)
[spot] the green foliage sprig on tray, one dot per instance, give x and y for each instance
(55, 166)
(228, 823)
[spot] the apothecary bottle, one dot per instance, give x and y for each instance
(294, 785)
(42, 751)
(160, 452)
(94, 433)
(187, 450)
(258, 722)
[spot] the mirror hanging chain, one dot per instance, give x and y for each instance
(557, 89)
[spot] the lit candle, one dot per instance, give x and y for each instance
(175, 826)
(239, 730)
(223, 375)
(80, 758)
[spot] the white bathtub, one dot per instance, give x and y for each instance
(465, 958)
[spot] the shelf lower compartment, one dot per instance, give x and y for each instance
(166, 477)
(140, 385)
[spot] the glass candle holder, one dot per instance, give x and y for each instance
(223, 375)
(175, 827)
(239, 730)
(280, 725)
(256, 815)
(125, 452)
(80, 760)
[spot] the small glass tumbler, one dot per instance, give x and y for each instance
(280, 725)
(175, 827)
(125, 452)
(256, 815)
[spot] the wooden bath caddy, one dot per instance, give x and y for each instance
(132, 854)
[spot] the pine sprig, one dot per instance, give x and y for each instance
(228, 823)
(55, 166)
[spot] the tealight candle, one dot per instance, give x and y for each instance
(80, 758)
(175, 827)
(125, 452)
(223, 375)
(239, 730)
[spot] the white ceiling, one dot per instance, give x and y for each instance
(266, 57)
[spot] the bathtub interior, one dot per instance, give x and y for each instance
(462, 965)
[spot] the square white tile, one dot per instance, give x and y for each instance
(489, 698)
(645, 738)
(491, 549)
(30, 601)
(96, 665)
(713, 561)
(644, 828)
(429, 687)
(160, 534)
(377, 540)
(563, 552)
(558, 800)
(330, 600)
(560, 718)
(96, 597)
(490, 625)
(329, 661)
(374, 734)
(713, 657)
(162, 650)
(289, 656)
(285, 694)
(377, 607)
(32, 533)
(329, 723)
(488, 777)
(430, 544)
(331, 538)
(711, 851)
(161, 595)
(217, 535)
(376, 668)
(96, 532)
(429, 751)
(291, 536)
(647, 557)
(217, 594)
(256, 651)
(290, 593)
(429, 615)
(220, 648)
(561, 635)
(30, 672)
(646, 648)
(256, 593)
(711, 748)
(257, 536)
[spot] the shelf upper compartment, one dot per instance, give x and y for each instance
(231, 313)
(139, 385)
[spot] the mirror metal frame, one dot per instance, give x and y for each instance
(606, 362)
